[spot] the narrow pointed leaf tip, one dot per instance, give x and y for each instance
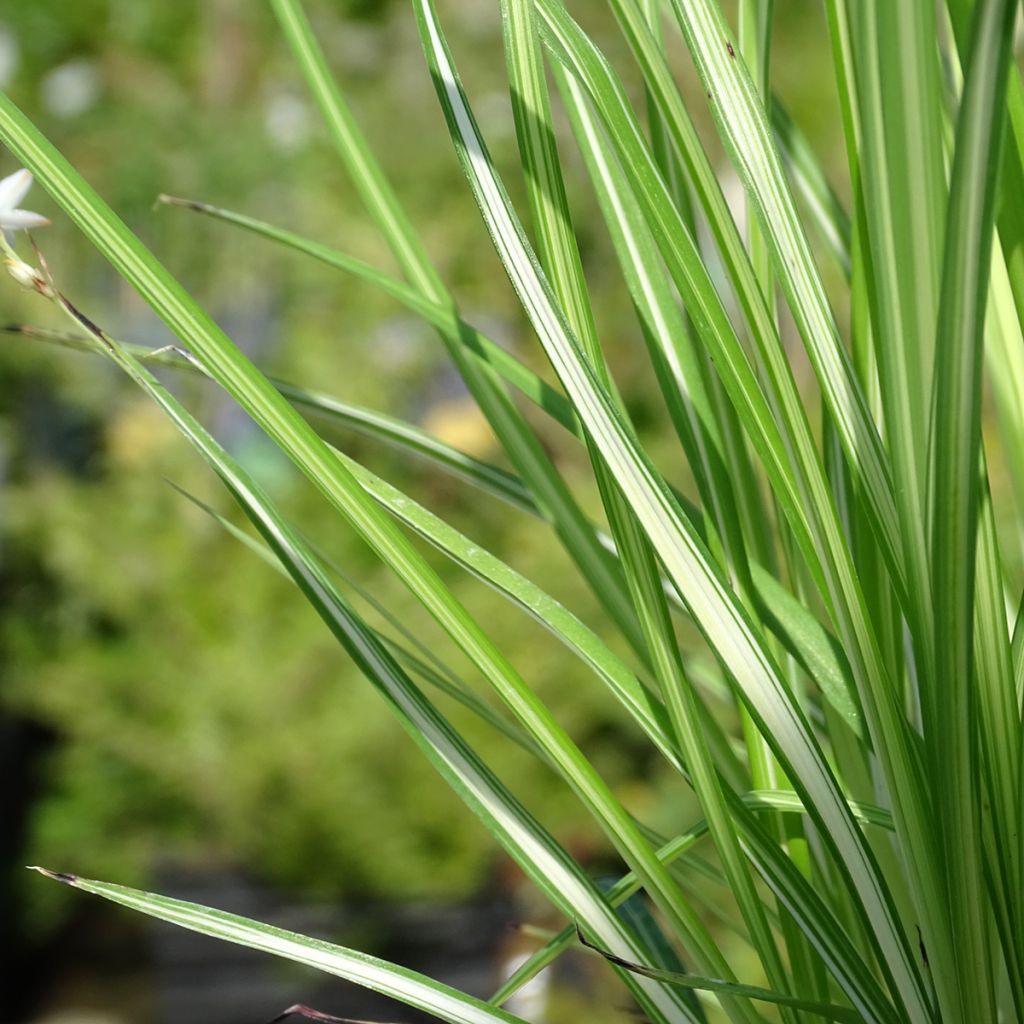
(57, 876)
(381, 976)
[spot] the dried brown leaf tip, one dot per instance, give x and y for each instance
(57, 876)
(189, 204)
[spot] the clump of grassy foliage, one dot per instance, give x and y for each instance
(850, 582)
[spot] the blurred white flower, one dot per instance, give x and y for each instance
(8, 56)
(287, 120)
(13, 189)
(71, 89)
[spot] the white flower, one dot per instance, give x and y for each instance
(13, 189)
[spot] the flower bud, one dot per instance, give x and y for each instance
(28, 277)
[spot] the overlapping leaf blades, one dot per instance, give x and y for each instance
(887, 528)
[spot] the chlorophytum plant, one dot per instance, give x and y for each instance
(839, 555)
